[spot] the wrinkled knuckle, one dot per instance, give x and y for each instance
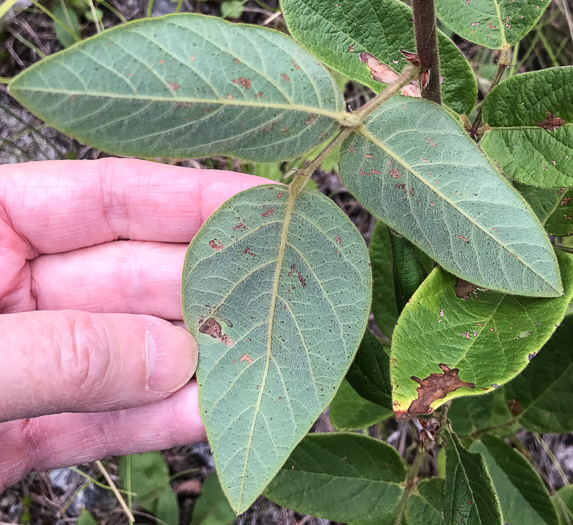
(86, 356)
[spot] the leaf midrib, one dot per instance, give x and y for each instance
(372, 138)
(335, 115)
(279, 261)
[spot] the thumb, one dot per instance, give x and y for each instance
(74, 361)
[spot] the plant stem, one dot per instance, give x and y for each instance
(410, 73)
(410, 481)
(425, 28)
(300, 180)
(478, 433)
(503, 62)
(563, 248)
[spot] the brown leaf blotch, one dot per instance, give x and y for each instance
(213, 328)
(463, 289)
(514, 407)
(432, 388)
(383, 73)
(550, 122)
(246, 357)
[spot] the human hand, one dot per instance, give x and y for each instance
(91, 254)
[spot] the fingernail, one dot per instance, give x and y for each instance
(171, 357)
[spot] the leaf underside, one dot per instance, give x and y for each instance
(414, 168)
(491, 23)
(186, 86)
(338, 32)
(531, 121)
(455, 346)
(276, 289)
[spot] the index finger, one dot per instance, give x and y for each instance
(59, 206)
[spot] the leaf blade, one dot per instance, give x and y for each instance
(466, 335)
(542, 393)
(468, 491)
(415, 169)
(350, 411)
(343, 477)
(523, 497)
(490, 23)
(281, 268)
(338, 32)
(186, 86)
(530, 145)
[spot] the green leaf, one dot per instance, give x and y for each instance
(85, 518)
(341, 477)
(553, 207)
(563, 501)
(475, 413)
(490, 23)
(543, 393)
(522, 494)
(276, 290)
(338, 32)
(212, 508)
(531, 121)
(424, 506)
(68, 17)
(350, 411)
(369, 373)
(149, 477)
(413, 167)
(232, 8)
(446, 346)
(383, 299)
(469, 496)
(407, 270)
(186, 86)
(468, 414)
(167, 509)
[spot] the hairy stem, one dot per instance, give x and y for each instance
(503, 63)
(410, 481)
(485, 430)
(426, 31)
(302, 177)
(563, 248)
(351, 122)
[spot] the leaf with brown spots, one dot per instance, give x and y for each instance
(431, 204)
(481, 343)
(529, 122)
(287, 304)
(234, 94)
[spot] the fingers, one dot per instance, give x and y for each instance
(69, 439)
(122, 276)
(59, 206)
(73, 361)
